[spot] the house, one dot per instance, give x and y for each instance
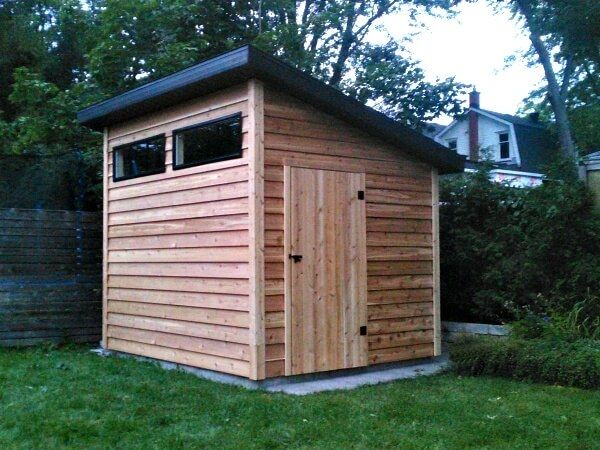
(261, 223)
(518, 147)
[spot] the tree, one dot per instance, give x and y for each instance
(60, 55)
(566, 32)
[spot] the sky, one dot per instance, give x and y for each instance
(472, 46)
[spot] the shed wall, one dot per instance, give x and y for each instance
(176, 259)
(400, 229)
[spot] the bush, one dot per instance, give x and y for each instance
(509, 252)
(548, 361)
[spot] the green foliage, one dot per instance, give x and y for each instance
(508, 252)
(68, 398)
(582, 321)
(57, 56)
(548, 361)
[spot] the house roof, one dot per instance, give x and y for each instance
(535, 142)
(248, 62)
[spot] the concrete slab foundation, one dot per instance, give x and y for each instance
(311, 383)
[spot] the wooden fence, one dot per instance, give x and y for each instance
(50, 276)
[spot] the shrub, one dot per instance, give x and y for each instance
(508, 252)
(550, 361)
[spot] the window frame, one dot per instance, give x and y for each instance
(162, 169)
(177, 166)
(455, 141)
(500, 142)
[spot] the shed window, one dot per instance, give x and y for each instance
(139, 158)
(217, 140)
(504, 146)
(452, 144)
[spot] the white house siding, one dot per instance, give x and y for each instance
(488, 137)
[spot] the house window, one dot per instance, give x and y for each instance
(217, 140)
(139, 158)
(504, 146)
(452, 144)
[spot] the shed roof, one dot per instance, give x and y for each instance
(248, 62)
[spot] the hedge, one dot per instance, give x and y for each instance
(575, 363)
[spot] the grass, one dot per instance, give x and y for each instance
(70, 398)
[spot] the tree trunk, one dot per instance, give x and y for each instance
(554, 92)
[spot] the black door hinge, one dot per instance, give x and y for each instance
(363, 330)
(361, 195)
(296, 258)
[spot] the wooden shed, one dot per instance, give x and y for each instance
(261, 223)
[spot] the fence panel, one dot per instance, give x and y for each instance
(50, 276)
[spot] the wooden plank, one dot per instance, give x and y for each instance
(183, 328)
(381, 239)
(287, 266)
(396, 225)
(400, 325)
(212, 240)
(201, 300)
(393, 311)
(400, 353)
(437, 314)
(180, 356)
(188, 255)
(399, 267)
(186, 313)
(206, 285)
(236, 171)
(214, 208)
(399, 254)
(256, 208)
(104, 236)
(394, 196)
(180, 269)
(194, 344)
(404, 183)
(380, 297)
(185, 197)
(404, 211)
(48, 215)
(392, 340)
(218, 224)
(378, 282)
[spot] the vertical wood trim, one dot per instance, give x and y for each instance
(256, 229)
(435, 220)
(287, 272)
(105, 175)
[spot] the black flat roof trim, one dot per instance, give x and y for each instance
(241, 64)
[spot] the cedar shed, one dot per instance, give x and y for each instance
(260, 223)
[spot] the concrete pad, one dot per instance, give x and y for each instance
(353, 381)
(309, 383)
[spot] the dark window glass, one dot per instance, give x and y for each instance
(139, 158)
(504, 146)
(452, 144)
(208, 142)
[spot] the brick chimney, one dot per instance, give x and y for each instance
(473, 126)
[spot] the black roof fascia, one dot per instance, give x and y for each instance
(247, 62)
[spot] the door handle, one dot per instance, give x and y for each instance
(296, 258)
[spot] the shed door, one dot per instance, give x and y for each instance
(328, 285)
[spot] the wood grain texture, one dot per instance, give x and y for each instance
(50, 277)
(180, 247)
(327, 286)
(400, 222)
(256, 209)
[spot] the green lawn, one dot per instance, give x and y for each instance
(70, 398)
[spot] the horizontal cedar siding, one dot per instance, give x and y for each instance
(399, 228)
(177, 243)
